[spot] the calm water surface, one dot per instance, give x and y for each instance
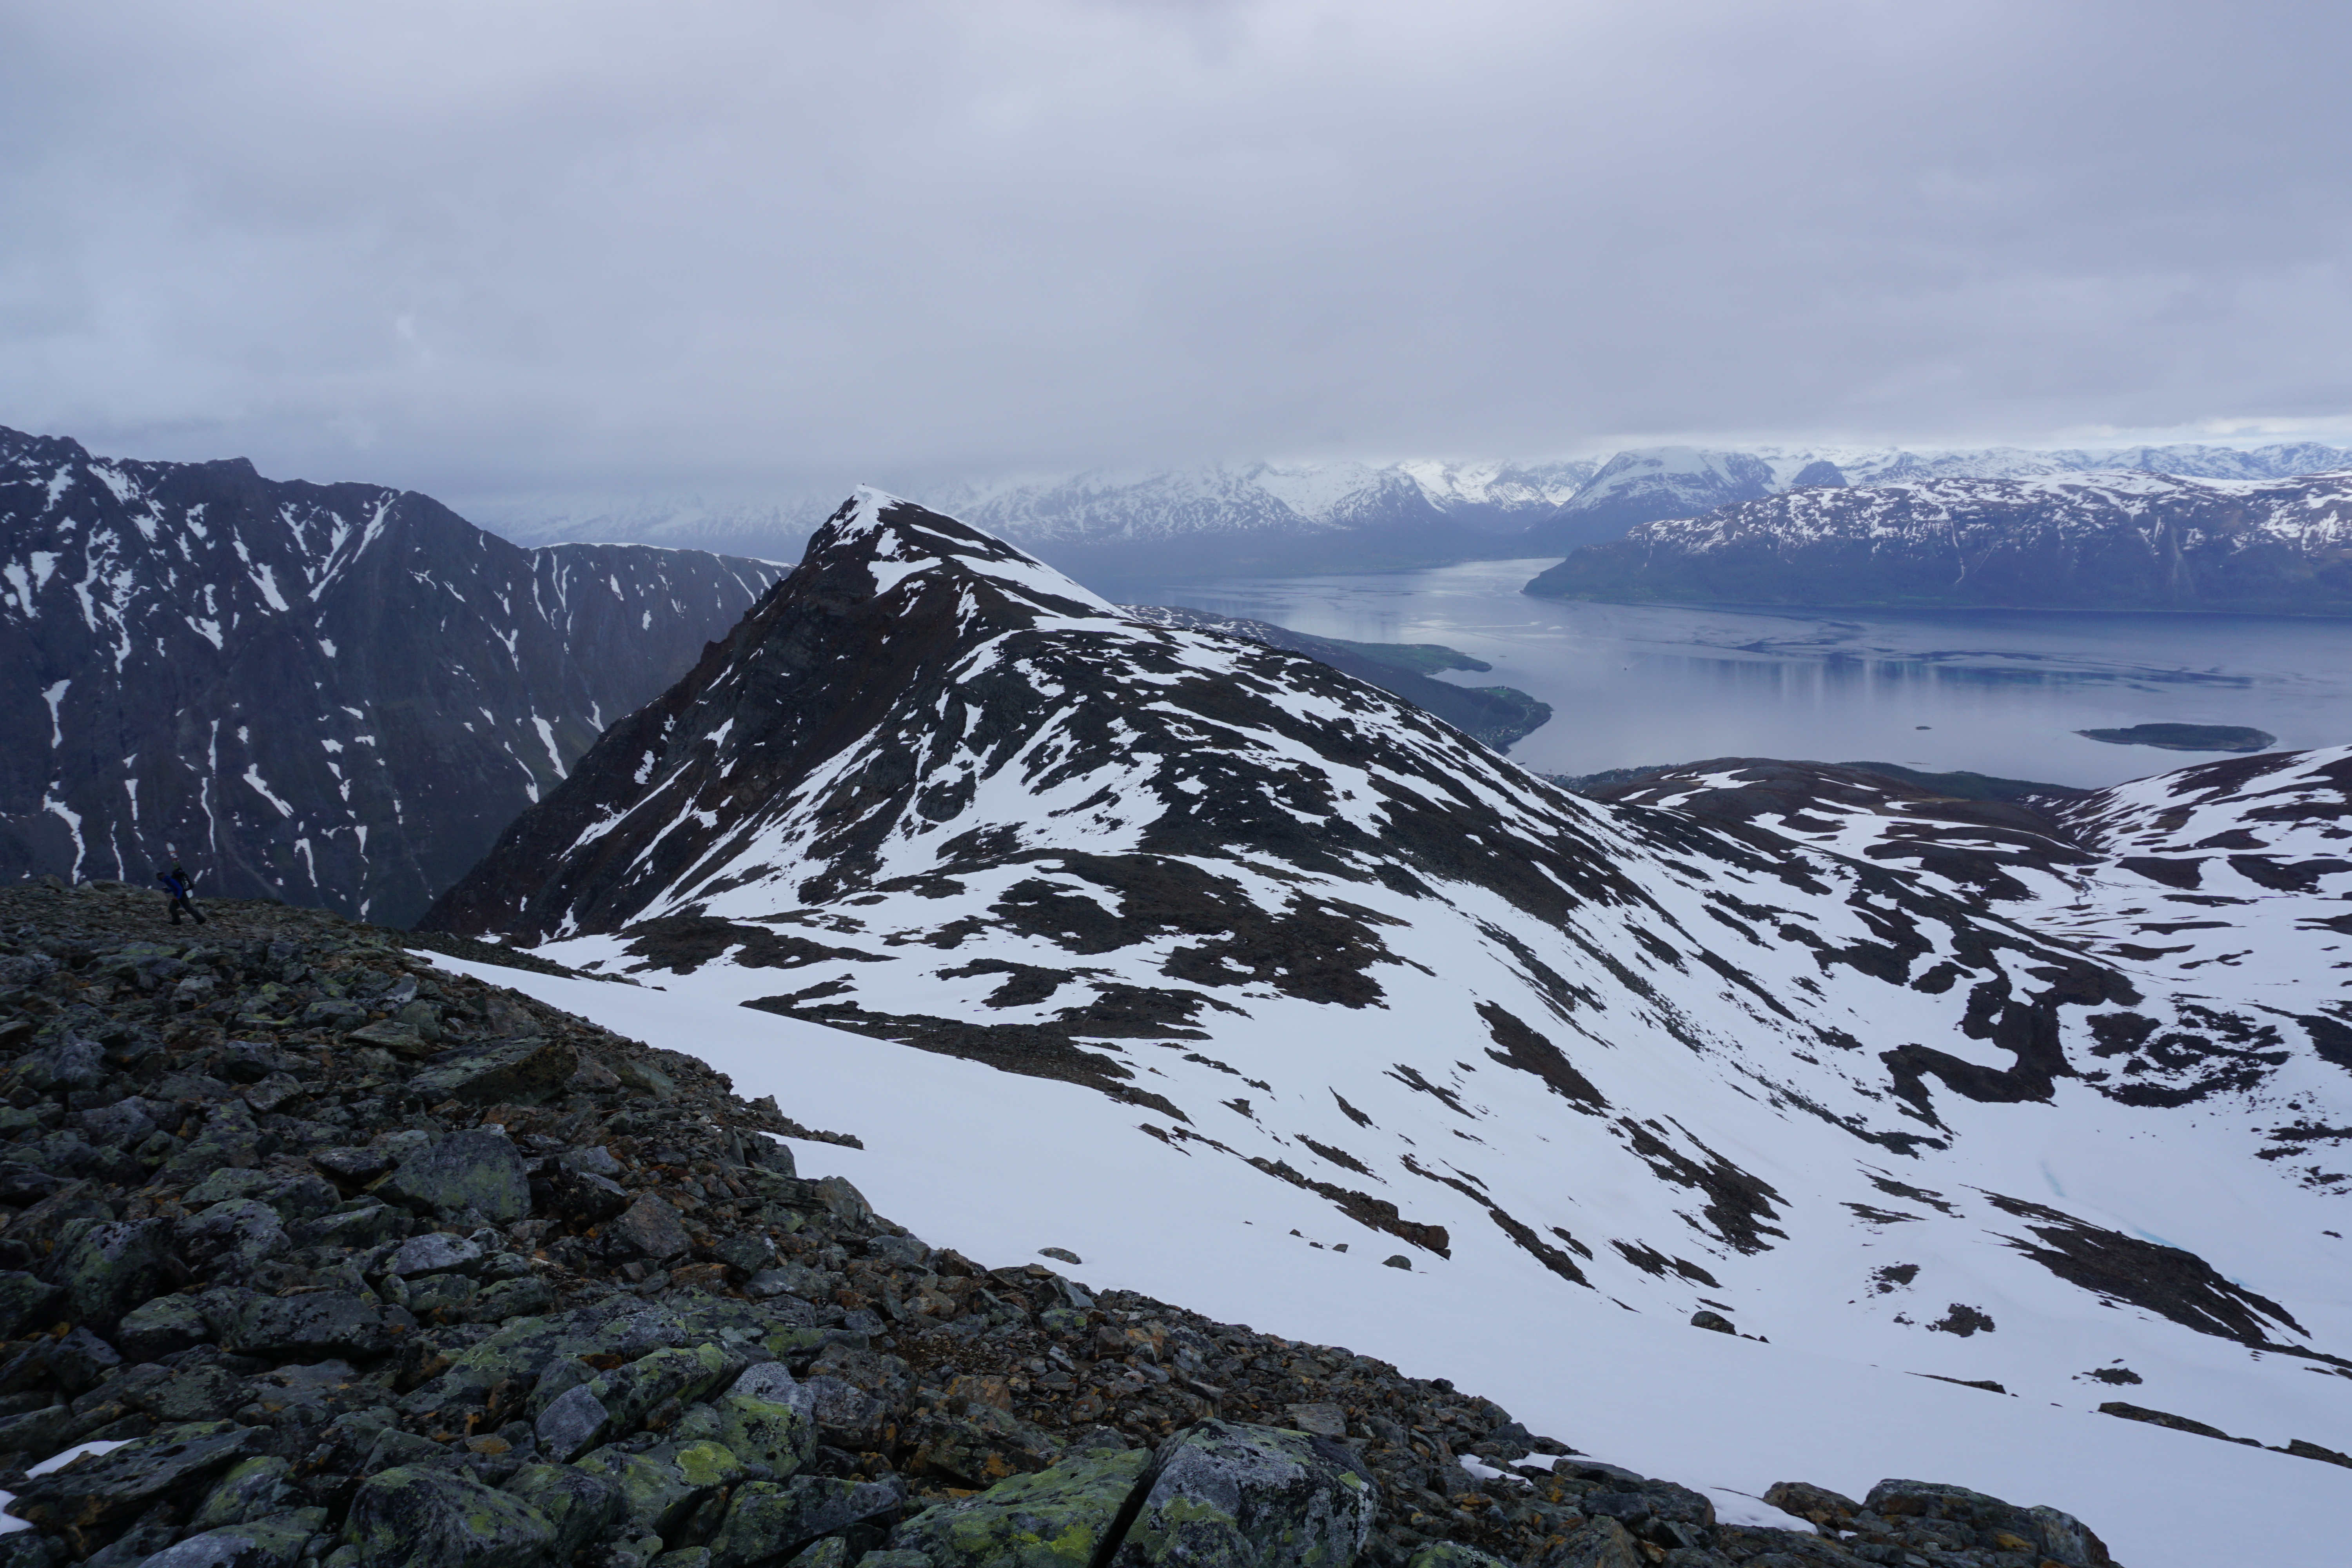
(1999, 691)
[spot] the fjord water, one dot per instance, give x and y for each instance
(1999, 691)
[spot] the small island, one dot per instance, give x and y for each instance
(2187, 737)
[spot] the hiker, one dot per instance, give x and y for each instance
(175, 882)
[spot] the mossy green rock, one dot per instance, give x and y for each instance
(631, 1393)
(111, 1268)
(160, 1326)
(1053, 1518)
(274, 1542)
(1453, 1555)
(764, 1432)
(472, 1170)
(415, 1518)
(651, 1494)
(768, 1519)
(578, 1504)
(1226, 1495)
(25, 1302)
(89, 1501)
(253, 1488)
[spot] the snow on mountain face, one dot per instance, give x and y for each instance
(1313, 942)
(1342, 516)
(2109, 542)
(330, 694)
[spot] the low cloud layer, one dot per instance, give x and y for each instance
(579, 244)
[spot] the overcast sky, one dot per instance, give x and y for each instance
(480, 247)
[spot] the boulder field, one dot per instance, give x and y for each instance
(315, 1256)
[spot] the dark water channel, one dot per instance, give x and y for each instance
(1999, 691)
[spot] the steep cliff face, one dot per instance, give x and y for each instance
(329, 694)
(2113, 542)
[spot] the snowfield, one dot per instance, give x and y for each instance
(1237, 977)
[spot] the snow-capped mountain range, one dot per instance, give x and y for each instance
(333, 694)
(2116, 541)
(1308, 957)
(1112, 525)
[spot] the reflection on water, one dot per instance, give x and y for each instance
(1999, 691)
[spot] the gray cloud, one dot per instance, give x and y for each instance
(579, 243)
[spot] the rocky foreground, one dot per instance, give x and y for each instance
(316, 1256)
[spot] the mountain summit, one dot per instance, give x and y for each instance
(934, 793)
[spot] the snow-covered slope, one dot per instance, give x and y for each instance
(332, 694)
(1331, 967)
(2102, 542)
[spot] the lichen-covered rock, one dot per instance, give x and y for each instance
(2059, 1537)
(409, 1517)
(579, 1505)
(253, 1488)
(573, 1422)
(652, 1228)
(515, 1072)
(1051, 1519)
(276, 1540)
(769, 1420)
(91, 1499)
(111, 1268)
(164, 1326)
(320, 1323)
(25, 1302)
(1600, 1543)
(651, 1494)
(1224, 1495)
(477, 1170)
(1453, 1555)
(633, 1392)
(768, 1519)
(232, 1238)
(1819, 1505)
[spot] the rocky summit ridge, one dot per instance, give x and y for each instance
(314, 1254)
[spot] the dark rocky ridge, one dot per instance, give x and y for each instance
(367, 1264)
(2279, 547)
(332, 694)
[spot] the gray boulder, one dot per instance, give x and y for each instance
(25, 1302)
(276, 1541)
(2057, 1537)
(652, 1228)
(579, 1505)
(253, 1488)
(111, 1268)
(473, 1170)
(88, 1501)
(520, 1072)
(162, 1327)
(768, 1519)
(1053, 1518)
(437, 1252)
(1224, 1494)
(229, 1239)
(322, 1323)
(414, 1518)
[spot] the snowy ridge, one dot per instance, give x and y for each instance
(1317, 947)
(329, 693)
(2124, 541)
(1423, 509)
